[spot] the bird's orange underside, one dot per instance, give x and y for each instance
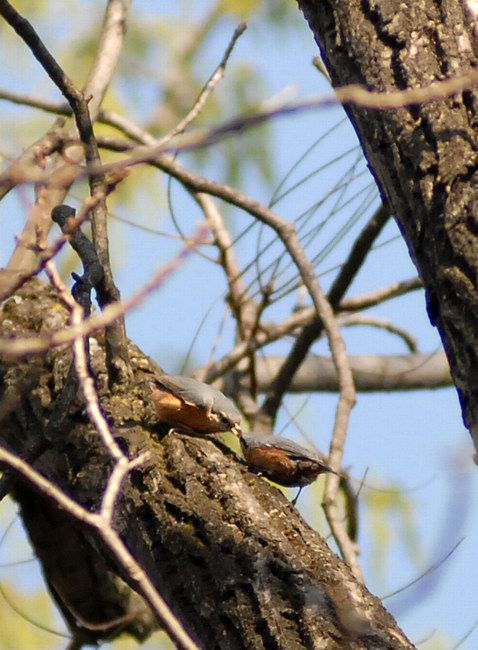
(274, 460)
(173, 410)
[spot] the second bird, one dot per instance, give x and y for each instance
(281, 460)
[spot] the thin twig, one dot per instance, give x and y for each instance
(467, 634)
(242, 308)
(354, 94)
(433, 567)
(380, 323)
(313, 329)
(206, 91)
(81, 363)
(117, 355)
(107, 55)
(119, 473)
(380, 295)
(30, 164)
(16, 609)
(359, 251)
(47, 105)
(90, 395)
(23, 346)
(45, 253)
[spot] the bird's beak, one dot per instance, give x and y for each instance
(236, 430)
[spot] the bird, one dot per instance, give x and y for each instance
(193, 405)
(281, 460)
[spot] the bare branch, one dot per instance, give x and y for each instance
(380, 295)
(354, 94)
(24, 346)
(109, 49)
(314, 327)
(115, 544)
(47, 105)
(271, 332)
(100, 75)
(208, 88)
(11, 281)
(372, 373)
(381, 323)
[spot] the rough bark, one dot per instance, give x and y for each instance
(233, 558)
(424, 157)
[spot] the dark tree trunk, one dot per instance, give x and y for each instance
(425, 158)
(227, 550)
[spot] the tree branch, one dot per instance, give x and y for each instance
(105, 62)
(313, 329)
(372, 373)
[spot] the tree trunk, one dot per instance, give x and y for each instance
(228, 552)
(424, 157)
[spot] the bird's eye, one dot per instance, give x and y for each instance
(226, 421)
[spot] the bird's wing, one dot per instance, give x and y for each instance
(191, 391)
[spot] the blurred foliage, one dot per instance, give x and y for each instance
(21, 616)
(165, 64)
(391, 513)
(277, 11)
